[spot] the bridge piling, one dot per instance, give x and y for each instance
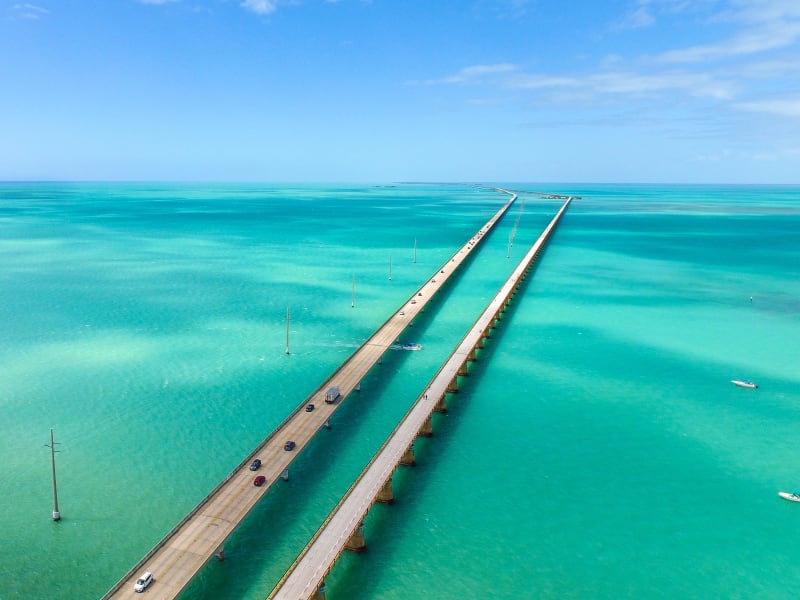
(285, 474)
(356, 543)
(427, 428)
(441, 405)
(386, 495)
(408, 460)
(452, 387)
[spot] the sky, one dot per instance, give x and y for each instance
(329, 91)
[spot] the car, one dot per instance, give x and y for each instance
(259, 481)
(289, 445)
(255, 465)
(143, 582)
(309, 407)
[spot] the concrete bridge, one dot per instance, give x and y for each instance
(343, 529)
(181, 554)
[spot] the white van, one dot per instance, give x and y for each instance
(332, 395)
(143, 582)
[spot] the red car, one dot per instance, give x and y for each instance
(259, 481)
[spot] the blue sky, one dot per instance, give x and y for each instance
(663, 91)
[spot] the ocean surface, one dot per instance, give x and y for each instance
(596, 450)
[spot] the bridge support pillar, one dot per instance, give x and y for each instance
(472, 357)
(441, 405)
(408, 460)
(452, 387)
(386, 495)
(462, 370)
(479, 344)
(220, 553)
(285, 475)
(358, 386)
(327, 423)
(356, 543)
(427, 428)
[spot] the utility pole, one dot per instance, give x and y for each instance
(52, 446)
(288, 318)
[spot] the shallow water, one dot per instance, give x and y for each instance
(597, 449)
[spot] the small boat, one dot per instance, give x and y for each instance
(412, 346)
(745, 383)
(791, 496)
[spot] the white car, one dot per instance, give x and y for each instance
(143, 582)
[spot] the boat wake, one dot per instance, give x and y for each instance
(406, 346)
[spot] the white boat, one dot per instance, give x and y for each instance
(792, 496)
(406, 346)
(745, 383)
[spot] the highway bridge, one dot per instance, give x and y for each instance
(182, 553)
(343, 529)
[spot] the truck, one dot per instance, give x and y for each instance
(332, 395)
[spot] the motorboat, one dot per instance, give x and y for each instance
(745, 383)
(406, 346)
(791, 496)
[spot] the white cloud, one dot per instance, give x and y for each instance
(470, 74)
(637, 18)
(767, 25)
(532, 82)
(24, 10)
(479, 71)
(632, 84)
(785, 108)
(694, 84)
(260, 7)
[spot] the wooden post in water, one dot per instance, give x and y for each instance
(56, 513)
(288, 319)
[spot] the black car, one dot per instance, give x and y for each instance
(309, 407)
(289, 445)
(254, 466)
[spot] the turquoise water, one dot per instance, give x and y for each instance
(597, 449)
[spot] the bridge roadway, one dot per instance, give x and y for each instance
(306, 576)
(180, 555)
